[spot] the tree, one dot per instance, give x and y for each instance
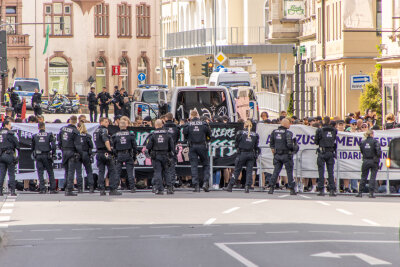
(371, 98)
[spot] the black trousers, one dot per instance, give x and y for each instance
(244, 159)
(160, 165)
(70, 164)
(93, 113)
(7, 165)
(196, 152)
(171, 173)
(43, 162)
(104, 161)
(128, 160)
(328, 159)
(104, 109)
(280, 161)
(37, 111)
(85, 162)
(369, 165)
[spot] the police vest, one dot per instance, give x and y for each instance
(246, 142)
(85, 142)
(280, 140)
(160, 140)
(368, 148)
(197, 132)
(98, 135)
(328, 137)
(5, 142)
(42, 141)
(92, 98)
(123, 140)
(172, 129)
(67, 136)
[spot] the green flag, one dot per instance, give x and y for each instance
(47, 39)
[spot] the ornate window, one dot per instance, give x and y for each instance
(143, 20)
(59, 13)
(102, 20)
(124, 20)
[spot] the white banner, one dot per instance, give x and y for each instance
(348, 155)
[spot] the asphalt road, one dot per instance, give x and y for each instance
(206, 229)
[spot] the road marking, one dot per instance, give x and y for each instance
(210, 221)
(8, 205)
(125, 228)
(4, 218)
(165, 227)
(86, 229)
(244, 233)
(282, 232)
(6, 211)
(369, 233)
(2, 226)
(323, 203)
(235, 255)
(161, 236)
(14, 231)
(366, 258)
(231, 210)
(371, 222)
(68, 238)
(259, 201)
(307, 197)
(344, 211)
(331, 232)
(46, 230)
(196, 235)
(29, 239)
(111, 237)
(246, 224)
(10, 200)
(283, 196)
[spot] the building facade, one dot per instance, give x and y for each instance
(86, 39)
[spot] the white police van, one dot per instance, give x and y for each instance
(153, 94)
(229, 77)
(25, 88)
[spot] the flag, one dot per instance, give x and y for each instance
(47, 39)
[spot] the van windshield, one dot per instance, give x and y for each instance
(244, 93)
(207, 103)
(27, 86)
(233, 84)
(150, 97)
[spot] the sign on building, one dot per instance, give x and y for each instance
(116, 70)
(294, 9)
(313, 79)
(358, 81)
(240, 61)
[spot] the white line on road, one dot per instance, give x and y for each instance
(369, 233)
(282, 232)
(161, 236)
(125, 228)
(111, 237)
(6, 211)
(2, 226)
(10, 200)
(371, 222)
(86, 229)
(323, 203)
(235, 255)
(196, 235)
(210, 221)
(331, 232)
(283, 196)
(68, 238)
(29, 239)
(244, 233)
(307, 197)
(231, 210)
(46, 230)
(14, 231)
(165, 227)
(259, 201)
(344, 211)
(5, 218)
(8, 205)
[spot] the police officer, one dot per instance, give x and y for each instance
(371, 152)
(283, 147)
(105, 158)
(93, 102)
(44, 152)
(14, 98)
(161, 148)
(124, 143)
(105, 99)
(175, 132)
(325, 138)
(8, 144)
(198, 133)
(116, 101)
(87, 158)
(36, 101)
(70, 144)
(247, 145)
(7, 98)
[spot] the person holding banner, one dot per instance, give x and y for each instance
(247, 145)
(44, 152)
(8, 144)
(325, 138)
(283, 147)
(371, 153)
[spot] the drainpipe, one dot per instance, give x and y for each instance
(323, 53)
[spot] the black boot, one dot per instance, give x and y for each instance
(371, 195)
(161, 192)
(80, 191)
(321, 192)
(53, 192)
(292, 192)
(133, 190)
(1, 192)
(69, 193)
(247, 189)
(42, 191)
(13, 194)
(271, 190)
(91, 189)
(359, 194)
(114, 192)
(170, 191)
(102, 192)
(229, 187)
(196, 189)
(332, 193)
(206, 187)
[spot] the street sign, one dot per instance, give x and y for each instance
(141, 77)
(358, 81)
(116, 70)
(240, 61)
(220, 67)
(220, 58)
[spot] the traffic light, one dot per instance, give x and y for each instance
(210, 68)
(205, 69)
(3, 52)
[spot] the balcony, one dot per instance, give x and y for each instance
(17, 40)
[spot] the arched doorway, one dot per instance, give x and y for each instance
(101, 74)
(59, 76)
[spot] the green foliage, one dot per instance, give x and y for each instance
(290, 109)
(371, 98)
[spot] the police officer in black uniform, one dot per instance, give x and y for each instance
(175, 132)
(116, 101)
(283, 147)
(371, 152)
(161, 148)
(105, 158)
(36, 101)
(93, 102)
(8, 144)
(86, 159)
(198, 133)
(105, 99)
(124, 143)
(44, 152)
(70, 144)
(325, 138)
(247, 145)
(14, 98)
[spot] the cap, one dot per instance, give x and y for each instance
(353, 121)
(147, 118)
(311, 119)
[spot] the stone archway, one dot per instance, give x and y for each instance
(68, 60)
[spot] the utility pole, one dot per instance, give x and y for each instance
(279, 83)
(161, 45)
(215, 29)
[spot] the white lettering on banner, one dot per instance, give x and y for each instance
(348, 157)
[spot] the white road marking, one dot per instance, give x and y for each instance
(2, 226)
(68, 238)
(344, 211)
(10, 200)
(125, 228)
(307, 197)
(6, 211)
(235, 255)
(371, 222)
(331, 232)
(231, 210)
(364, 257)
(259, 201)
(8, 205)
(111, 237)
(5, 218)
(196, 235)
(14, 231)
(86, 229)
(244, 233)
(29, 239)
(161, 236)
(283, 196)
(46, 230)
(210, 221)
(369, 233)
(282, 232)
(165, 227)
(323, 203)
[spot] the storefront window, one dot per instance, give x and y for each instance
(100, 74)
(58, 75)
